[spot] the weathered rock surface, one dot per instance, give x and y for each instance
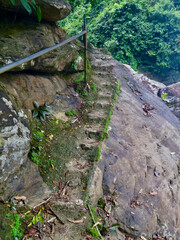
(31, 39)
(140, 160)
(14, 138)
(149, 84)
(51, 10)
(16, 171)
(25, 88)
(172, 98)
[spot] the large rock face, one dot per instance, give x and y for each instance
(51, 10)
(140, 161)
(31, 39)
(40, 80)
(24, 89)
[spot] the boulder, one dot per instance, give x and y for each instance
(14, 138)
(171, 96)
(51, 11)
(22, 41)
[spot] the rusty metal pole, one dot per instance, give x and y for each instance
(85, 51)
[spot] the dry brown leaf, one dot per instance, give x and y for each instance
(66, 174)
(20, 198)
(88, 237)
(54, 182)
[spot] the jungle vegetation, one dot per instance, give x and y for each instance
(142, 33)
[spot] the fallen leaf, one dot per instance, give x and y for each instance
(153, 193)
(27, 212)
(51, 137)
(52, 165)
(60, 185)
(54, 182)
(88, 237)
(20, 198)
(66, 174)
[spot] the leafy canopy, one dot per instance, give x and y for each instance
(144, 34)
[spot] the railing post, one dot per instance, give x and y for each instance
(85, 51)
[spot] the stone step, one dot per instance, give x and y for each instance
(97, 115)
(103, 104)
(94, 131)
(104, 68)
(105, 95)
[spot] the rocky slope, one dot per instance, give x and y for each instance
(136, 168)
(140, 159)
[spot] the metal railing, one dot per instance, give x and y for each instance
(44, 51)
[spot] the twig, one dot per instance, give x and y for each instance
(95, 222)
(42, 203)
(76, 221)
(51, 220)
(65, 185)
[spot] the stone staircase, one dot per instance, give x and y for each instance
(80, 167)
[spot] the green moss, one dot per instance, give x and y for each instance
(71, 113)
(108, 120)
(5, 228)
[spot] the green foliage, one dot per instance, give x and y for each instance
(71, 113)
(103, 225)
(40, 112)
(29, 5)
(42, 135)
(164, 96)
(37, 217)
(17, 231)
(144, 34)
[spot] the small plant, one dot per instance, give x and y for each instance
(40, 112)
(74, 65)
(71, 113)
(16, 226)
(164, 96)
(37, 218)
(100, 226)
(39, 135)
(34, 156)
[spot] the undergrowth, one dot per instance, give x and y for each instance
(43, 134)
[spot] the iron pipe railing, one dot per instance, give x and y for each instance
(44, 51)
